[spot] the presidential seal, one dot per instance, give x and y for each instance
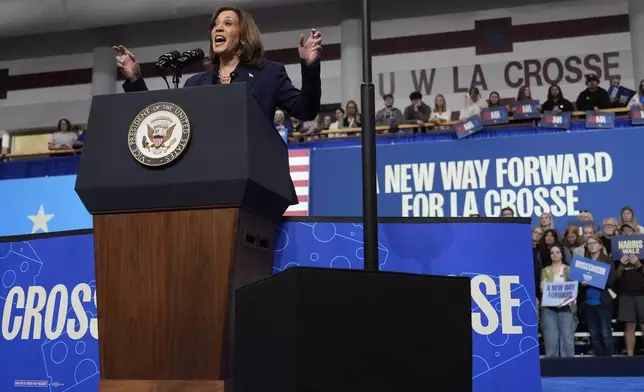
(159, 134)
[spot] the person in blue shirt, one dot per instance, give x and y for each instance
(237, 55)
(598, 303)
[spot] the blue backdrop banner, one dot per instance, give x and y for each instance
(40, 205)
(49, 326)
(561, 173)
(499, 263)
(47, 294)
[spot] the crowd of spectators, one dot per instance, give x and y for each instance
(418, 112)
(621, 299)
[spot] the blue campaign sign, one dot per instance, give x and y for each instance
(620, 94)
(561, 173)
(499, 263)
(55, 349)
(624, 95)
(523, 110)
(593, 273)
(637, 115)
(627, 245)
(613, 92)
(556, 120)
(42, 204)
(468, 127)
(495, 115)
(603, 120)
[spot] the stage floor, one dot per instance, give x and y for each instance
(592, 384)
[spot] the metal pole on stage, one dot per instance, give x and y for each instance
(369, 195)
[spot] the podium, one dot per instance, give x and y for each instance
(185, 187)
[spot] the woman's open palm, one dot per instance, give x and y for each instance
(127, 63)
(310, 50)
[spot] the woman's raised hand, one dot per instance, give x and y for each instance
(127, 63)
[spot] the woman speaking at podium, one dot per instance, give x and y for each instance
(237, 55)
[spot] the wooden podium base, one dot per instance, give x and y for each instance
(165, 287)
(160, 386)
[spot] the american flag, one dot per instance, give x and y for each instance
(298, 161)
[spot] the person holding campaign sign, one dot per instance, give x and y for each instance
(597, 298)
(524, 94)
(555, 101)
(558, 308)
(630, 282)
(473, 104)
(494, 100)
(524, 99)
(588, 231)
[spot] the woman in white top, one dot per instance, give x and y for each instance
(638, 97)
(339, 123)
(440, 112)
(473, 104)
(558, 324)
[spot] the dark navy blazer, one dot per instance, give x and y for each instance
(270, 85)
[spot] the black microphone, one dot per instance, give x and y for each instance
(189, 57)
(167, 60)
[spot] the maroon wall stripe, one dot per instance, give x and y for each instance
(4, 82)
(290, 55)
(49, 79)
(571, 28)
(422, 43)
(489, 36)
